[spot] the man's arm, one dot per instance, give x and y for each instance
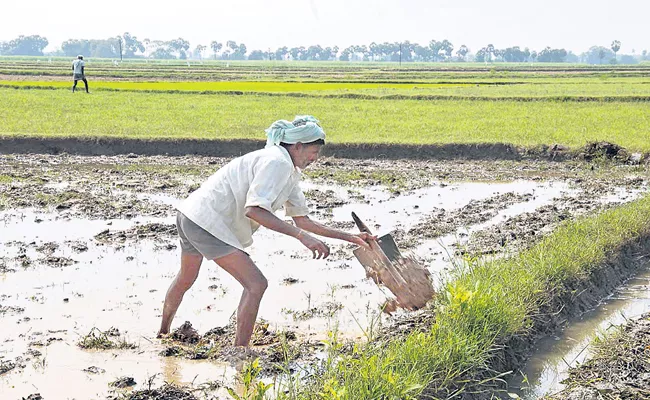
(317, 228)
(269, 220)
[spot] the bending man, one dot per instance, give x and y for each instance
(217, 220)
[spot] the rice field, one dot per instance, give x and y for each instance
(622, 89)
(181, 116)
(482, 304)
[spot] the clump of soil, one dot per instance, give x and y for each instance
(48, 248)
(217, 343)
(154, 231)
(289, 281)
(167, 392)
(10, 309)
(325, 310)
(123, 382)
(323, 199)
(603, 150)
(56, 262)
(3, 266)
(186, 334)
(94, 370)
(96, 339)
(78, 246)
(619, 369)
(6, 366)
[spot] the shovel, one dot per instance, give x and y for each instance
(405, 277)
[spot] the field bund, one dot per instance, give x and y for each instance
(489, 316)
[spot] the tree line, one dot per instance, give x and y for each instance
(129, 46)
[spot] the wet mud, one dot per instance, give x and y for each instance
(83, 231)
(619, 369)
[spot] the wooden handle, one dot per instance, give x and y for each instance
(362, 227)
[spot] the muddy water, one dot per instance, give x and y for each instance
(555, 355)
(123, 286)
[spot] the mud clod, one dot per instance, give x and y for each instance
(94, 370)
(606, 150)
(57, 262)
(6, 366)
(123, 382)
(153, 231)
(167, 392)
(186, 334)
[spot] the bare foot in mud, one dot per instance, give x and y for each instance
(162, 335)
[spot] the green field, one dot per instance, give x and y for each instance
(485, 302)
(208, 70)
(631, 89)
(152, 115)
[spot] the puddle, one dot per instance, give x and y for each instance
(555, 355)
(124, 286)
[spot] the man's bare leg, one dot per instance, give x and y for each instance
(190, 266)
(244, 270)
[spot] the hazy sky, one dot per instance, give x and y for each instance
(573, 24)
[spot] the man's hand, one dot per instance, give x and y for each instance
(361, 239)
(318, 248)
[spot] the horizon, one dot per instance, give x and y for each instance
(505, 23)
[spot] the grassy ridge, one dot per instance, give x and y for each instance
(485, 304)
(150, 115)
(617, 88)
(250, 86)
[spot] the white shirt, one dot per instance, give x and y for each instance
(265, 178)
(78, 65)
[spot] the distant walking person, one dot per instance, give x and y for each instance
(78, 73)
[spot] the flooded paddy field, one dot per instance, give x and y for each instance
(89, 248)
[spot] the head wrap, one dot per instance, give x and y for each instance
(303, 129)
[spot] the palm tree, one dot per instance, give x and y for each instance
(215, 46)
(462, 52)
(616, 46)
(490, 51)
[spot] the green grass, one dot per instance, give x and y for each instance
(593, 88)
(99, 340)
(486, 303)
(246, 86)
(178, 116)
(209, 70)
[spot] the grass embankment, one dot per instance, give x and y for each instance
(480, 308)
(59, 113)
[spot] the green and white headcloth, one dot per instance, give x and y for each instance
(303, 129)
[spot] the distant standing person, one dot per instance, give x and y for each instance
(78, 72)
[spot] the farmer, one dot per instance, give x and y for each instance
(78, 73)
(217, 220)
